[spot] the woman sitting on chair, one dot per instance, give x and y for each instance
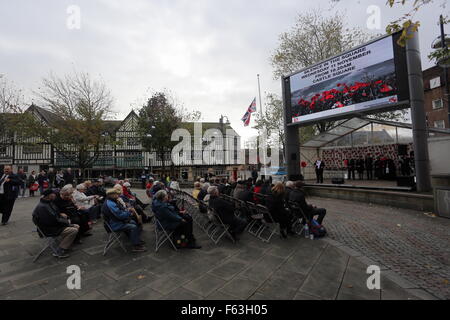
(173, 220)
(275, 204)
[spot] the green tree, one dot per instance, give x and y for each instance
(158, 118)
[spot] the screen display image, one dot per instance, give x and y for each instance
(358, 80)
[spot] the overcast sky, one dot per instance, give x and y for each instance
(207, 52)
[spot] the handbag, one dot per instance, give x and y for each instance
(45, 184)
(34, 186)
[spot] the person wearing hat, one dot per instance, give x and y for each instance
(121, 219)
(53, 224)
(129, 200)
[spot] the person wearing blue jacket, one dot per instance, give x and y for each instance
(120, 219)
(171, 219)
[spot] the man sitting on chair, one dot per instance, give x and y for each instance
(298, 196)
(120, 219)
(53, 224)
(225, 210)
(173, 220)
(64, 203)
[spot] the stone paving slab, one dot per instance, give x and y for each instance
(296, 268)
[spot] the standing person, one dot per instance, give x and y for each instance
(378, 168)
(43, 181)
(319, 165)
(143, 179)
(351, 169)
(360, 168)
(254, 175)
(30, 182)
(51, 178)
(9, 190)
(23, 182)
(369, 167)
(59, 179)
(68, 176)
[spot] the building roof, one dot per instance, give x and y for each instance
(47, 115)
(113, 125)
(348, 126)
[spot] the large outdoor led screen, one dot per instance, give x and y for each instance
(365, 78)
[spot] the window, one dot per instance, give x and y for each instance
(439, 124)
(437, 104)
(435, 82)
(133, 142)
(2, 150)
(32, 148)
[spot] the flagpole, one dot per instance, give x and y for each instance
(259, 92)
(262, 116)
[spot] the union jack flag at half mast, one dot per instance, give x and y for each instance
(248, 114)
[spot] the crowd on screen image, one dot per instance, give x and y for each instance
(345, 94)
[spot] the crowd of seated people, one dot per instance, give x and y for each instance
(276, 197)
(68, 213)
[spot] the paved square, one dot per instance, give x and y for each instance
(296, 268)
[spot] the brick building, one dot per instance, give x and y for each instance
(436, 105)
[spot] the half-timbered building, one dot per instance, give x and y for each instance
(126, 157)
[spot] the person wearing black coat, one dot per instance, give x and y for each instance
(360, 168)
(23, 179)
(41, 179)
(9, 190)
(369, 167)
(225, 210)
(68, 176)
(275, 204)
(351, 169)
(319, 166)
(246, 194)
(53, 224)
(298, 196)
(51, 178)
(65, 205)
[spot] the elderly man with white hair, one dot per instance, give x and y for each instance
(86, 203)
(225, 210)
(65, 205)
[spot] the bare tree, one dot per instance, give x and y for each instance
(11, 103)
(77, 106)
